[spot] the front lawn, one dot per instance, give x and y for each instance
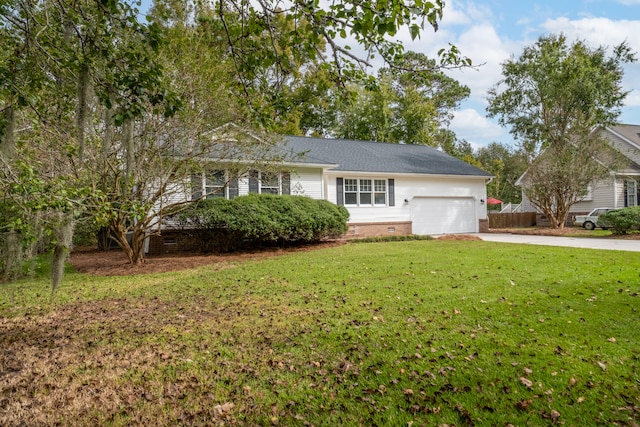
(391, 334)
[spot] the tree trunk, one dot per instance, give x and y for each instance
(64, 237)
(83, 109)
(134, 250)
(12, 255)
(7, 138)
(130, 150)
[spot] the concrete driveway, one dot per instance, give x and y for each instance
(572, 242)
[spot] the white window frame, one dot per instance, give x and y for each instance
(366, 191)
(631, 197)
(263, 176)
(588, 196)
(215, 190)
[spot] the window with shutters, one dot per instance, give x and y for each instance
(214, 183)
(630, 193)
(366, 192)
(269, 182)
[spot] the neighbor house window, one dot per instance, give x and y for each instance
(588, 194)
(365, 192)
(630, 193)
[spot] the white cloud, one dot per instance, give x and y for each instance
(596, 31)
(470, 125)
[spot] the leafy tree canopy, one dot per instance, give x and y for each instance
(552, 97)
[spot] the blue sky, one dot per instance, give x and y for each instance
(491, 31)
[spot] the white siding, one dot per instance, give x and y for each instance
(307, 182)
(408, 187)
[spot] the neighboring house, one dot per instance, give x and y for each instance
(622, 188)
(387, 188)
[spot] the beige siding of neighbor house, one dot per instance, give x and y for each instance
(623, 146)
(602, 196)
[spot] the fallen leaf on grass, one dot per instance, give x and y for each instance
(523, 404)
(581, 399)
(602, 366)
(526, 382)
(612, 339)
(465, 414)
(223, 410)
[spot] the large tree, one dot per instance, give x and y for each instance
(552, 97)
(412, 103)
(70, 61)
(506, 164)
(117, 109)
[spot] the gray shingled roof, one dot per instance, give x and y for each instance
(631, 132)
(366, 156)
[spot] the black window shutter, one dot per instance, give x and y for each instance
(626, 192)
(196, 186)
(233, 188)
(253, 181)
(340, 189)
(286, 183)
(392, 193)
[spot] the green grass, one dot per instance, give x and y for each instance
(395, 333)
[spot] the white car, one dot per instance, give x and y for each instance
(590, 221)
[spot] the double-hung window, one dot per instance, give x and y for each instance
(215, 184)
(269, 182)
(365, 192)
(630, 193)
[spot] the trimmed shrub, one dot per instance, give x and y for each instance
(262, 219)
(620, 221)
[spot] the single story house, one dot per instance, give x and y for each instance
(387, 188)
(622, 188)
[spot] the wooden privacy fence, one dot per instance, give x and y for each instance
(512, 220)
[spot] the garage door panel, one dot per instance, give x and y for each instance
(443, 215)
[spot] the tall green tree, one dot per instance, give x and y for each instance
(506, 164)
(552, 97)
(411, 104)
(71, 60)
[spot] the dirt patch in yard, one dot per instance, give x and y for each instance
(115, 263)
(459, 237)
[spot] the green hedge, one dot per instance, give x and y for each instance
(255, 220)
(620, 221)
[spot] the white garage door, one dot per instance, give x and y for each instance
(443, 215)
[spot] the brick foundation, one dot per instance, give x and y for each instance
(171, 242)
(375, 229)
